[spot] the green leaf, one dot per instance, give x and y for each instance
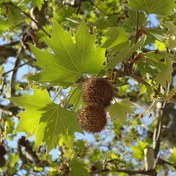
(4, 25)
(171, 27)
(44, 119)
(116, 36)
(155, 33)
(78, 168)
(125, 53)
(14, 15)
(119, 110)
(54, 121)
(96, 155)
(172, 158)
(138, 151)
(32, 104)
(159, 7)
(69, 59)
(163, 64)
(68, 140)
(37, 3)
(171, 42)
(133, 16)
(160, 45)
(164, 76)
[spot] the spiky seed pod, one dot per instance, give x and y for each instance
(97, 91)
(92, 118)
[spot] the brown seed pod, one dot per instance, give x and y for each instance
(92, 118)
(97, 91)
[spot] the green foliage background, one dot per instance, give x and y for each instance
(61, 43)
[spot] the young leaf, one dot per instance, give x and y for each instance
(159, 7)
(120, 109)
(138, 151)
(69, 59)
(172, 158)
(44, 119)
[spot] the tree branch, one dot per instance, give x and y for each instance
(158, 129)
(163, 161)
(139, 79)
(7, 50)
(13, 77)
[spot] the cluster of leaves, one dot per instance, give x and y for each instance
(110, 38)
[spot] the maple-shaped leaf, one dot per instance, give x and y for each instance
(164, 76)
(44, 119)
(54, 121)
(119, 110)
(32, 104)
(163, 64)
(69, 59)
(159, 7)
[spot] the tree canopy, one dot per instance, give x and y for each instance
(87, 87)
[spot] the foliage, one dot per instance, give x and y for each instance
(49, 48)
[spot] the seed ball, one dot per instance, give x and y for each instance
(97, 92)
(92, 118)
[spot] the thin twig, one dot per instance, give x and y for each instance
(130, 172)
(27, 15)
(17, 62)
(139, 79)
(15, 68)
(79, 6)
(58, 92)
(3, 80)
(137, 26)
